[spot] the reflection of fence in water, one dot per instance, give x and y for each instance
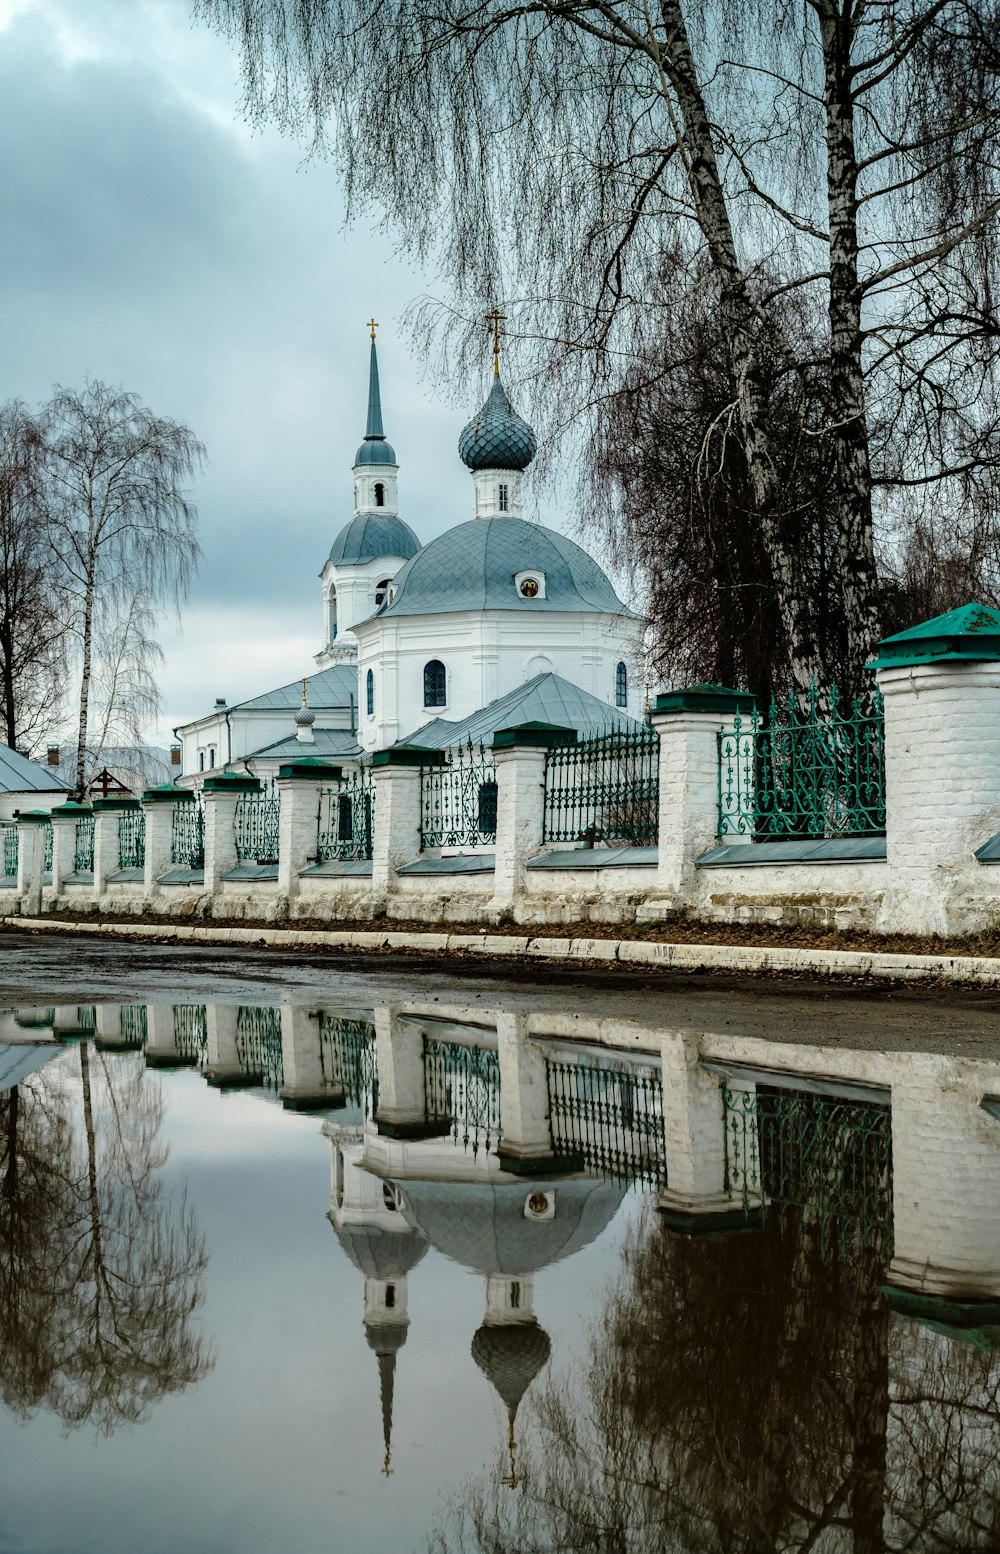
(347, 1056)
(190, 1030)
(132, 1024)
(612, 1114)
(820, 1159)
(258, 1043)
(462, 1087)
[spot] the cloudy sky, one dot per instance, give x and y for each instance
(152, 240)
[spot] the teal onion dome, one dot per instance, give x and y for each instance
(497, 438)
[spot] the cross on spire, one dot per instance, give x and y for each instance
(495, 318)
(373, 325)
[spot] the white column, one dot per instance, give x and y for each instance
(161, 1039)
(399, 1062)
(942, 789)
(304, 1087)
(520, 755)
(526, 1142)
(694, 1131)
(688, 723)
(107, 813)
(221, 795)
(300, 784)
(30, 857)
(223, 1068)
(396, 777)
(158, 807)
(64, 818)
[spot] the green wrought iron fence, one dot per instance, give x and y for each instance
(133, 1024)
(605, 788)
(10, 851)
(462, 1087)
(812, 770)
(458, 799)
(347, 1057)
(83, 852)
(132, 839)
(191, 1030)
(187, 835)
(47, 847)
(345, 820)
(258, 1043)
(611, 1114)
(256, 824)
(811, 1158)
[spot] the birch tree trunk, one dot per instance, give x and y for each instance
(85, 674)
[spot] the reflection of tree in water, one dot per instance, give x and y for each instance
(102, 1268)
(751, 1394)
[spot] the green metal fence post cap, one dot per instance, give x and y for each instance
(104, 806)
(534, 736)
(318, 771)
(72, 808)
(166, 793)
(232, 782)
(721, 699)
(408, 755)
(36, 817)
(968, 634)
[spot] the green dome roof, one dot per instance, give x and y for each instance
(370, 535)
(375, 450)
(497, 438)
(511, 1357)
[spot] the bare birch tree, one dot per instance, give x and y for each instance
(121, 526)
(592, 162)
(32, 635)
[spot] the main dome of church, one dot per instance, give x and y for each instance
(473, 567)
(373, 534)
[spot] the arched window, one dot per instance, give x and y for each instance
(486, 809)
(621, 686)
(331, 615)
(435, 684)
(381, 589)
(370, 692)
(379, 494)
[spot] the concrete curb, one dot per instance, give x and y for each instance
(857, 964)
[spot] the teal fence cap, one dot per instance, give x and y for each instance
(969, 633)
(232, 782)
(166, 793)
(318, 771)
(104, 805)
(71, 807)
(408, 755)
(706, 698)
(36, 817)
(534, 735)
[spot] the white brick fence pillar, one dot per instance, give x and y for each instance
(32, 827)
(396, 779)
(941, 684)
(107, 849)
(299, 784)
(161, 1039)
(696, 1196)
(689, 723)
(223, 1068)
(158, 808)
(399, 1063)
(525, 1147)
(304, 1086)
(520, 754)
(221, 795)
(64, 819)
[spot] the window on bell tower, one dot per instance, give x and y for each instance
(621, 686)
(370, 692)
(379, 494)
(503, 498)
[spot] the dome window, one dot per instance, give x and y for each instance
(370, 692)
(379, 494)
(540, 1205)
(435, 684)
(621, 686)
(381, 592)
(530, 585)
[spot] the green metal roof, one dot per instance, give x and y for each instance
(971, 632)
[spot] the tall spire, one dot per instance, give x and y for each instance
(386, 1377)
(374, 449)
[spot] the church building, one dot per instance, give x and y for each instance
(497, 622)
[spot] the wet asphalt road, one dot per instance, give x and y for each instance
(52, 969)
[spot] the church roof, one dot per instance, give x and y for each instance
(330, 743)
(371, 535)
(375, 449)
(333, 687)
(19, 1059)
(482, 1224)
(20, 775)
(546, 698)
(473, 566)
(497, 438)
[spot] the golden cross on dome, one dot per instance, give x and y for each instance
(496, 318)
(373, 325)
(304, 701)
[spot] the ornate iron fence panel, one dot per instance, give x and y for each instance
(258, 1043)
(462, 1087)
(191, 1030)
(83, 852)
(605, 788)
(612, 1115)
(256, 824)
(345, 821)
(813, 1159)
(347, 1055)
(133, 1024)
(804, 771)
(10, 851)
(132, 839)
(187, 835)
(47, 847)
(458, 799)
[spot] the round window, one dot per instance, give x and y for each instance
(529, 587)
